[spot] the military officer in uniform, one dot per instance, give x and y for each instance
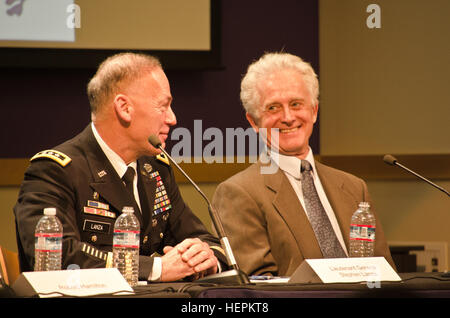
(86, 180)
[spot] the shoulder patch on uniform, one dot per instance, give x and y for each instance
(162, 157)
(55, 155)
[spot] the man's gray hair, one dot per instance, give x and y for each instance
(269, 63)
(115, 71)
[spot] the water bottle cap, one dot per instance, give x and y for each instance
(364, 205)
(127, 209)
(49, 211)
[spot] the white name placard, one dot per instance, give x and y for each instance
(345, 270)
(78, 282)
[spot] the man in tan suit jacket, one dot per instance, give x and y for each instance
(264, 213)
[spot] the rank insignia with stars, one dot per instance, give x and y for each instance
(55, 155)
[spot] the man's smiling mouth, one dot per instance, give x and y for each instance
(290, 130)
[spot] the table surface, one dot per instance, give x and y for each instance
(411, 285)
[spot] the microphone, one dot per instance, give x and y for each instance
(234, 276)
(391, 160)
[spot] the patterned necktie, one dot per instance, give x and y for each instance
(328, 242)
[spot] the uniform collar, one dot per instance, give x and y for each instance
(116, 161)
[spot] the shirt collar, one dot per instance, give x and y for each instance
(292, 165)
(116, 161)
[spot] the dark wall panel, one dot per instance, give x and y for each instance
(42, 108)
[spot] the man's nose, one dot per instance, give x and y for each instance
(171, 119)
(287, 116)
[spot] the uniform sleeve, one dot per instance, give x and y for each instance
(47, 184)
(245, 226)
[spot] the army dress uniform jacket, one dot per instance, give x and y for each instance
(79, 181)
(268, 228)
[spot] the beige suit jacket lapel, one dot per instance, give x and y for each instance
(287, 204)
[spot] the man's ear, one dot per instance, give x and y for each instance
(252, 121)
(315, 112)
(123, 107)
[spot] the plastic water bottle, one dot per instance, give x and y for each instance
(48, 242)
(126, 245)
(362, 232)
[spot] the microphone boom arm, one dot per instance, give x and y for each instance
(234, 276)
(391, 160)
(213, 214)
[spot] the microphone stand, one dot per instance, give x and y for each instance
(235, 276)
(391, 160)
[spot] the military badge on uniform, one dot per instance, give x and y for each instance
(102, 173)
(162, 201)
(148, 167)
(154, 175)
(98, 208)
(162, 157)
(100, 212)
(99, 205)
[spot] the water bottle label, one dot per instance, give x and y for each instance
(124, 238)
(361, 232)
(48, 242)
